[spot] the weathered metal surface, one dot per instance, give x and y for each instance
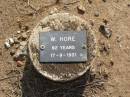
(65, 46)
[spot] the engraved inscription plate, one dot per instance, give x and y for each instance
(65, 46)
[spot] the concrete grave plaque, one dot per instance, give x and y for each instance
(65, 46)
(65, 68)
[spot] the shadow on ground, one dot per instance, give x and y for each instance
(35, 85)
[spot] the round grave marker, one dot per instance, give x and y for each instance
(62, 47)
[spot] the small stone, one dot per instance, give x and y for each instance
(16, 41)
(105, 21)
(29, 31)
(106, 76)
(7, 45)
(24, 36)
(19, 55)
(118, 39)
(91, 22)
(55, 10)
(128, 5)
(81, 9)
(105, 31)
(96, 14)
(120, 45)
(19, 63)
(12, 52)
(24, 52)
(18, 32)
(23, 43)
(111, 63)
(11, 41)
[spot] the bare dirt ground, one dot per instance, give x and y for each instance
(115, 62)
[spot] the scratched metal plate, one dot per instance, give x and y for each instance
(65, 46)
